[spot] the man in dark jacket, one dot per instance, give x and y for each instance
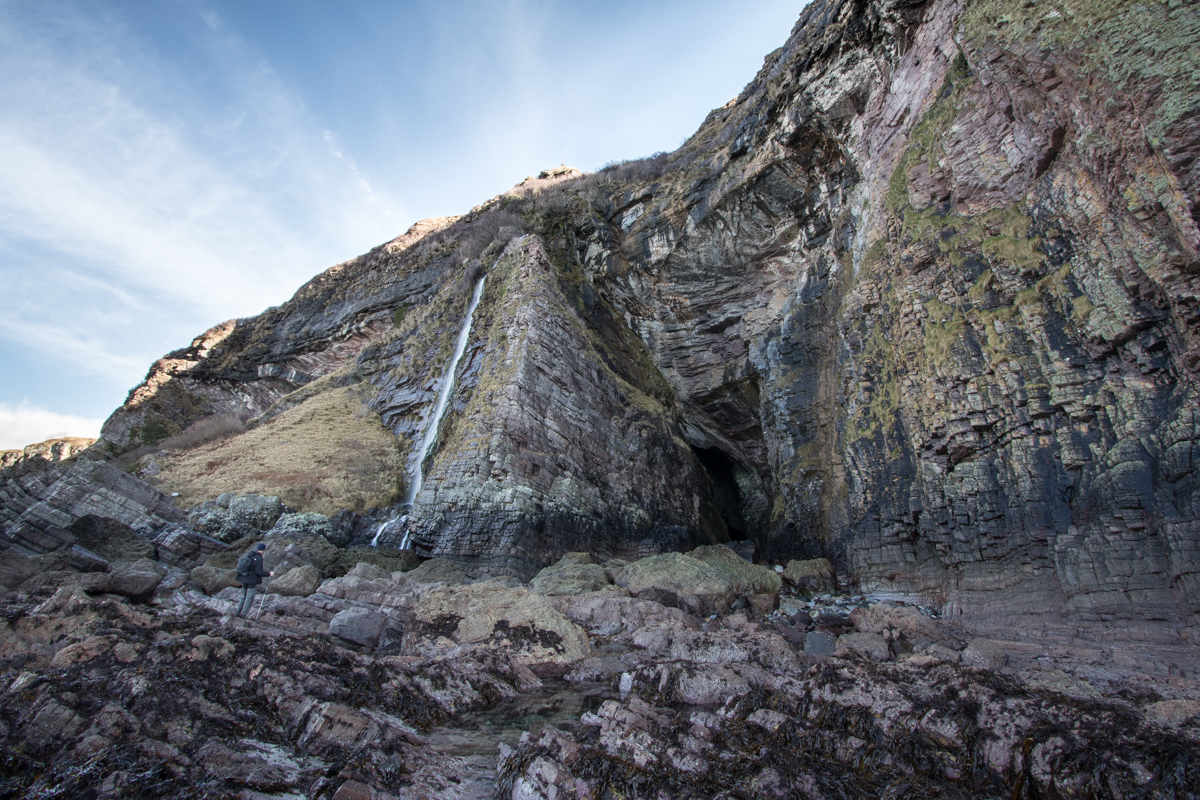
(250, 574)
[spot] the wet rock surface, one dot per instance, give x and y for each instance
(384, 684)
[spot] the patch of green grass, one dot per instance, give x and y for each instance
(398, 314)
(154, 431)
(1081, 309)
(980, 288)
(943, 328)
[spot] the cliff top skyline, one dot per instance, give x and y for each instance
(174, 166)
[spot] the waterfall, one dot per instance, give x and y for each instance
(439, 409)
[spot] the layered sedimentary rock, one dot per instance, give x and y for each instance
(50, 450)
(921, 300)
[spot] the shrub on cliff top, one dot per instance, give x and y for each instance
(209, 429)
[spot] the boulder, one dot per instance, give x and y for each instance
(296, 582)
(819, 643)
(814, 576)
(575, 558)
(359, 625)
(675, 579)
(745, 548)
(985, 654)
(570, 577)
(15, 569)
(369, 571)
(214, 579)
(111, 540)
(302, 525)
(386, 558)
(762, 604)
(606, 613)
(897, 624)
(435, 570)
(283, 554)
(230, 517)
(868, 645)
(747, 578)
(491, 615)
(136, 578)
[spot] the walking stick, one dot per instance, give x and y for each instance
(262, 596)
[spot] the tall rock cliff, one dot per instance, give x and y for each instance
(923, 299)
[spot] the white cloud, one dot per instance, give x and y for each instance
(24, 424)
(189, 204)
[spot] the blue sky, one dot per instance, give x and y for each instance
(166, 165)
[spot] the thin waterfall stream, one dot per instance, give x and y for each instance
(439, 410)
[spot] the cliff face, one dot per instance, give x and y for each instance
(923, 299)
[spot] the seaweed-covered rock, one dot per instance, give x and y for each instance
(523, 624)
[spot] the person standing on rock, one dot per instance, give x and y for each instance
(250, 572)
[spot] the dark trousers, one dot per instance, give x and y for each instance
(248, 593)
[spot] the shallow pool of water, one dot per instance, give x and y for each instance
(477, 737)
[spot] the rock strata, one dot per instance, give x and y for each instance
(920, 301)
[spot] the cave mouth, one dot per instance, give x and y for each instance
(726, 496)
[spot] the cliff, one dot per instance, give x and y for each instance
(921, 299)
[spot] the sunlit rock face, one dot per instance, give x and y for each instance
(922, 300)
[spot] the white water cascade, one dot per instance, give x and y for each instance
(439, 409)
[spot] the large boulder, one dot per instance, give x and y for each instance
(359, 625)
(283, 554)
(493, 615)
(135, 578)
(571, 575)
(867, 645)
(384, 557)
(301, 525)
(369, 571)
(436, 570)
(231, 517)
(15, 569)
(898, 624)
(296, 582)
(214, 579)
(607, 613)
(748, 578)
(814, 576)
(110, 539)
(675, 579)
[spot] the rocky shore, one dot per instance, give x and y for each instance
(848, 451)
(692, 675)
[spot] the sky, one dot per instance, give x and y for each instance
(166, 165)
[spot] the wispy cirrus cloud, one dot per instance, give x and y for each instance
(141, 202)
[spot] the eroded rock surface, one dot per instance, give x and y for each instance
(922, 300)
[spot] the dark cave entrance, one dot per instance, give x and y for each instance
(726, 496)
